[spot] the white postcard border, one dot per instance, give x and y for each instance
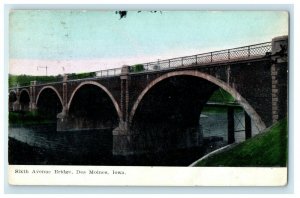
(146, 176)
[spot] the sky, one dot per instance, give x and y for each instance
(76, 41)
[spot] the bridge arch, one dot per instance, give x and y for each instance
(24, 100)
(101, 87)
(242, 101)
(22, 90)
(12, 96)
(13, 91)
(52, 88)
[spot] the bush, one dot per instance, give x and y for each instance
(137, 68)
(82, 75)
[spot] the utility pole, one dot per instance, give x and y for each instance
(44, 67)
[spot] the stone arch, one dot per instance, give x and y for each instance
(49, 87)
(242, 101)
(24, 106)
(101, 87)
(25, 91)
(13, 92)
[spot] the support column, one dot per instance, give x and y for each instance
(65, 94)
(279, 77)
(32, 92)
(122, 138)
(62, 117)
(230, 119)
(228, 72)
(248, 132)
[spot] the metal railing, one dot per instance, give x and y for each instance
(249, 51)
(108, 72)
(260, 49)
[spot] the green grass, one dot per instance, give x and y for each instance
(268, 149)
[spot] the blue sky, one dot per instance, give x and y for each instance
(80, 41)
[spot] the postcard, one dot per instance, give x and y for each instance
(148, 98)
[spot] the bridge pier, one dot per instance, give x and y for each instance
(16, 106)
(63, 122)
(122, 139)
(279, 77)
(32, 92)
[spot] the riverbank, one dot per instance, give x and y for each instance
(22, 118)
(268, 149)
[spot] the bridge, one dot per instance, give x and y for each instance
(151, 102)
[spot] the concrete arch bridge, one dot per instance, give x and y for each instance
(153, 104)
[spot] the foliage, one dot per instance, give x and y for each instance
(221, 96)
(24, 80)
(23, 117)
(28, 118)
(137, 68)
(82, 75)
(266, 149)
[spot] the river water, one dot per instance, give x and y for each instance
(43, 145)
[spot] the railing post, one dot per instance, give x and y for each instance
(181, 61)
(169, 63)
(211, 55)
(248, 51)
(196, 60)
(228, 54)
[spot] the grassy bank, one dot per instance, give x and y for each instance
(27, 118)
(266, 149)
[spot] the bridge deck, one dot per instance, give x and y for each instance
(244, 53)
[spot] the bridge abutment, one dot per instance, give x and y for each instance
(279, 73)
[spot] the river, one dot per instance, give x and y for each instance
(43, 145)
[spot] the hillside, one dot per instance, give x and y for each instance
(268, 149)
